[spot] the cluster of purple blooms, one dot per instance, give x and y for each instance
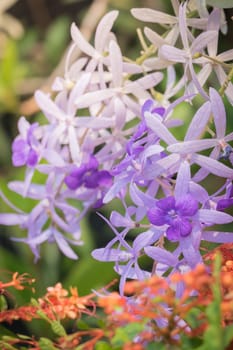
(109, 135)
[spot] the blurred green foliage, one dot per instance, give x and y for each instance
(12, 71)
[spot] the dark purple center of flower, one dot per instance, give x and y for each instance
(176, 214)
(88, 175)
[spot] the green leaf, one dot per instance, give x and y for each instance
(46, 344)
(6, 346)
(4, 332)
(58, 329)
(223, 4)
(188, 343)
(102, 345)
(192, 317)
(3, 303)
(82, 325)
(228, 335)
(157, 346)
(23, 336)
(127, 333)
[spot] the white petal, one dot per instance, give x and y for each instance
(116, 63)
(155, 38)
(199, 122)
(167, 165)
(214, 217)
(183, 179)
(219, 113)
(218, 237)
(153, 16)
(48, 106)
(73, 144)
(160, 129)
(91, 98)
(202, 40)
(12, 219)
(173, 54)
(213, 166)
(103, 29)
(82, 43)
(226, 56)
(64, 246)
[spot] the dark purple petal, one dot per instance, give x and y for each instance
(185, 228)
(147, 106)
(104, 178)
(157, 217)
(166, 204)
(91, 179)
(159, 110)
(179, 228)
(32, 158)
(142, 128)
(187, 206)
(224, 204)
(231, 192)
(92, 164)
(79, 172)
(98, 204)
(72, 182)
(173, 233)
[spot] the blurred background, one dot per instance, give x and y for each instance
(34, 35)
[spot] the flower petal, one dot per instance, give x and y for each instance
(161, 255)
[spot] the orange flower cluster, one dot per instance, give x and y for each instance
(150, 306)
(155, 304)
(58, 304)
(18, 282)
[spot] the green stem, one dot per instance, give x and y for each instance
(226, 82)
(213, 59)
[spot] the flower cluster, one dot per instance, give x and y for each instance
(110, 134)
(149, 313)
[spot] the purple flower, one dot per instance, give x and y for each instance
(226, 202)
(89, 176)
(142, 128)
(25, 146)
(176, 214)
(126, 256)
(52, 219)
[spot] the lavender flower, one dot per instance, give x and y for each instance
(176, 214)
(25, 147)
(88, 175)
